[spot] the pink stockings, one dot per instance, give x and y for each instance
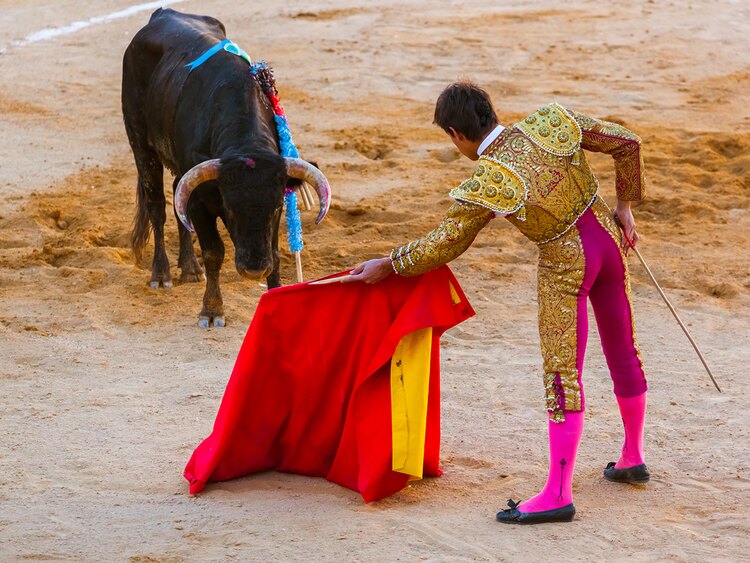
(564, 438)
(633, 413)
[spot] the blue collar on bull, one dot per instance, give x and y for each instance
(227, 45)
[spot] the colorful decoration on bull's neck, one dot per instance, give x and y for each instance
(264, 75)
(227, 45)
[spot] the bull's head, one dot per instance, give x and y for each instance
(252, 191)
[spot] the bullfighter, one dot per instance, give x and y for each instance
(535, 174)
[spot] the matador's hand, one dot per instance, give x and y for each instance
(371, 271)
(626, 221)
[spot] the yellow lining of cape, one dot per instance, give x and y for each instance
(410, 384)
(454, 294)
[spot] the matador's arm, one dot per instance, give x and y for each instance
(451, 238)
(623, 145)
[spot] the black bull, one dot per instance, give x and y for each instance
(214, 130)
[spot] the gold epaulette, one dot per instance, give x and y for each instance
(494, 186)
(553, 129)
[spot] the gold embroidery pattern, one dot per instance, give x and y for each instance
(607, 220)
(494, 185)
(450, 239)
(553, 129)
(625, 148)
(559, 191)
(560, 276)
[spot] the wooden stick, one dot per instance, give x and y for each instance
(671, 308)
(677, 317)
(304, 197)
(331, 280)
(301, 198)
(310, 195)
(298, 260)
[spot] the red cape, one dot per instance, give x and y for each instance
(310, 391)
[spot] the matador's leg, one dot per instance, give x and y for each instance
(563, 328)
(611, 299)
(563, 322)
(613, 309)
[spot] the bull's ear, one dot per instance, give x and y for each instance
(199, 157)
(293, 182)
(232, 169)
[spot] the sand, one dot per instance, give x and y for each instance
(108, 385)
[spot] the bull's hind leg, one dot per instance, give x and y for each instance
(150, 201)
(190, 269)
(151, 189)
(212, 249)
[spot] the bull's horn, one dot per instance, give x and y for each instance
(203, 172)
(298, 168)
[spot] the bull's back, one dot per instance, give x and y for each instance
(168, 30)
(154, 69)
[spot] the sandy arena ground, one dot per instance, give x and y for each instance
(107, 385)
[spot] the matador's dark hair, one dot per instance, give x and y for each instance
(467, 108)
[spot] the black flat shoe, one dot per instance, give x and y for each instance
(634, 475)
(514, 516)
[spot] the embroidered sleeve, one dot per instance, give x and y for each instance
(450, 239)
(625, 148)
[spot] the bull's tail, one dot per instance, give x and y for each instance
(141, 223)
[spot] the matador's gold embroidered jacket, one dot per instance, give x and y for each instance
(535, 174)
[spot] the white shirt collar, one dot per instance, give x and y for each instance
(489, 139)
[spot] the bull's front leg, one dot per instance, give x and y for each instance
(212, 249)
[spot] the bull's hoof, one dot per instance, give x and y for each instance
(157, 284)
(205, 322)
(191, 277)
